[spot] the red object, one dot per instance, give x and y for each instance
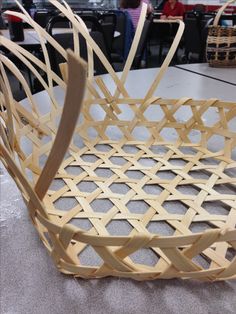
(12, 18)
(15, 26)
(178, 9)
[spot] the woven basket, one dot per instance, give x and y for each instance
(105, 200)
(221, 43)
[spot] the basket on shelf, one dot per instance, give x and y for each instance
(221, 42)
(113, 194)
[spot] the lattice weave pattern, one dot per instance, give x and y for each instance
(146, 187)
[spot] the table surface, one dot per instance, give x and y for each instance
(30, 282)
(29, 34)
(31, 37)
(69, 30)
(225, 74)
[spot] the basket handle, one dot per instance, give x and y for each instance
(221, 10)
(72, 106)
(168, 58)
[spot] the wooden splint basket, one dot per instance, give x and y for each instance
(128, 189)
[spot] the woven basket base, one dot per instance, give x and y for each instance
(124, 188)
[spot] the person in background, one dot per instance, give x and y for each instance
(173, 10)
(134, 7)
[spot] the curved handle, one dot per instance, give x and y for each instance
(221, 10)
(73, 102)
(168, 58)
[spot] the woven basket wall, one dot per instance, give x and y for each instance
(221, 46)
(132, 194)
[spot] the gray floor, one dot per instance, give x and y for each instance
(31, 284)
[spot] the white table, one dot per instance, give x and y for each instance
(222, 74)
(177, 83)
(32, 39)
(29, 280)
(29, 37)
(70, 30)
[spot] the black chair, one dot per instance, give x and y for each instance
(142, 44)
(118, 45)
(86, 12)
(56, 22)
(108, 22)
(98, 37)
(66, 41)
(205, 23)
(2, 23)
(92, 23)
(192, 35)
(140, 49)
(165, 34)
(195, 34)
(108, 17)
(42, 17)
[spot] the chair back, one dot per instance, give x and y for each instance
(65, 39)
(192, 34)
(118, 45)
(108, 22)
(42, 17)
(92, 22)
(195, 34)
(142, 44)
(98, 37)
(2, 23)
(56, 22)
(205, 23)
(109, 17)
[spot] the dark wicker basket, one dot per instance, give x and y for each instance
(221, 43)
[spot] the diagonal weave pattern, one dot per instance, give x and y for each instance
(142, 190)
